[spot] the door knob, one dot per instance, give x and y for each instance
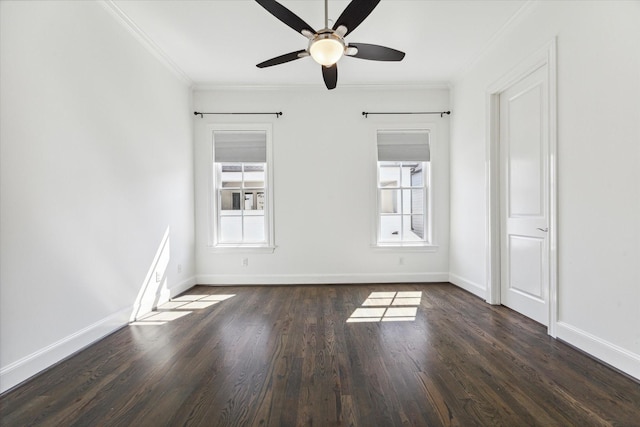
(545, 230)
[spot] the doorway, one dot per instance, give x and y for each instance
(522, 195)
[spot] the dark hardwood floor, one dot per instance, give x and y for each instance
(288, 356)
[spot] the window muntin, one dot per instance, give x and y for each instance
(403, 172)
(241, 176)
(402, 197)
(241, 202)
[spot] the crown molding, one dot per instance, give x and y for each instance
(145, 40)
(320, 87)
(464, 71)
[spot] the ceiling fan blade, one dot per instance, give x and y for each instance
(376, 53)
(287, 57)
(355, 13)
(330, 76)
(285, 15)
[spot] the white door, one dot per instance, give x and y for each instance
(524, 196)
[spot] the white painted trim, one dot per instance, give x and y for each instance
(25, 368)
(492, 183)
(553, 187)
(468, 285)
(607, 352)
(163, 298)
(310, 86)
(239, 249)
(546, 56)
(181, 287)
(404, 248)
(434, 129)
(511, 22)
(145, 40)
(303, 279)
(212, 219)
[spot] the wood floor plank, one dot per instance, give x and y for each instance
(287, 356)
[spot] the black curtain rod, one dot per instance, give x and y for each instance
(278, 114)
(442, 113)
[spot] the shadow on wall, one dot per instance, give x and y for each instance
(154, 287)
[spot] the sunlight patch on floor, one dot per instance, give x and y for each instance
(179, 307)
(388, 307)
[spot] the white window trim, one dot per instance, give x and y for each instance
(213, 246)
(431, 244)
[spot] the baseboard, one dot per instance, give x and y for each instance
(468, 285)
(305, 279)
(611, 354)
(23, 369)
(183, 286)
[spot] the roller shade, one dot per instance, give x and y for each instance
(406, 145)
(236, 146)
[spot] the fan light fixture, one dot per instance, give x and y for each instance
(326, 49)
(327, 46)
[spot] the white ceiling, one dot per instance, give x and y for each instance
(218, 42)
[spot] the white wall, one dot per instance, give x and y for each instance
(598, 80)
(96, 166)
(324, 185)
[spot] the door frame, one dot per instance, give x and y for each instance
(544, 57)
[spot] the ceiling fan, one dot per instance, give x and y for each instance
(327, 46)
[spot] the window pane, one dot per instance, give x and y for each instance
(260, 200)
(406, 201)
(417, 175)
(249, 201)
(389, 173)
(230, 200)
(390, 228)
(389, 201)
(406, 174)
(241, 188)
(417, 201)
(253, 200)
(402, 180)
(413, 228)
(230, 229)
(407, 234)
(254, 175)
(254, 228)
(231, 175)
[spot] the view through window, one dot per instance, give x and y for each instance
(404, 161)
(241, 214)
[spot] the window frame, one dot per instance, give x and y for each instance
(428, 245)
(214, 216)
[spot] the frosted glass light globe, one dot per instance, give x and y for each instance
(326, 51)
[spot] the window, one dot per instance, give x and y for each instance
(402, 189)
(241, 203)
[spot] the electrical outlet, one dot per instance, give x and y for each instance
(158, 277)
(179, 268)
(245, 262)
(401, 261)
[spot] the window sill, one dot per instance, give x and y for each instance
(241, 249)
(394, 247)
